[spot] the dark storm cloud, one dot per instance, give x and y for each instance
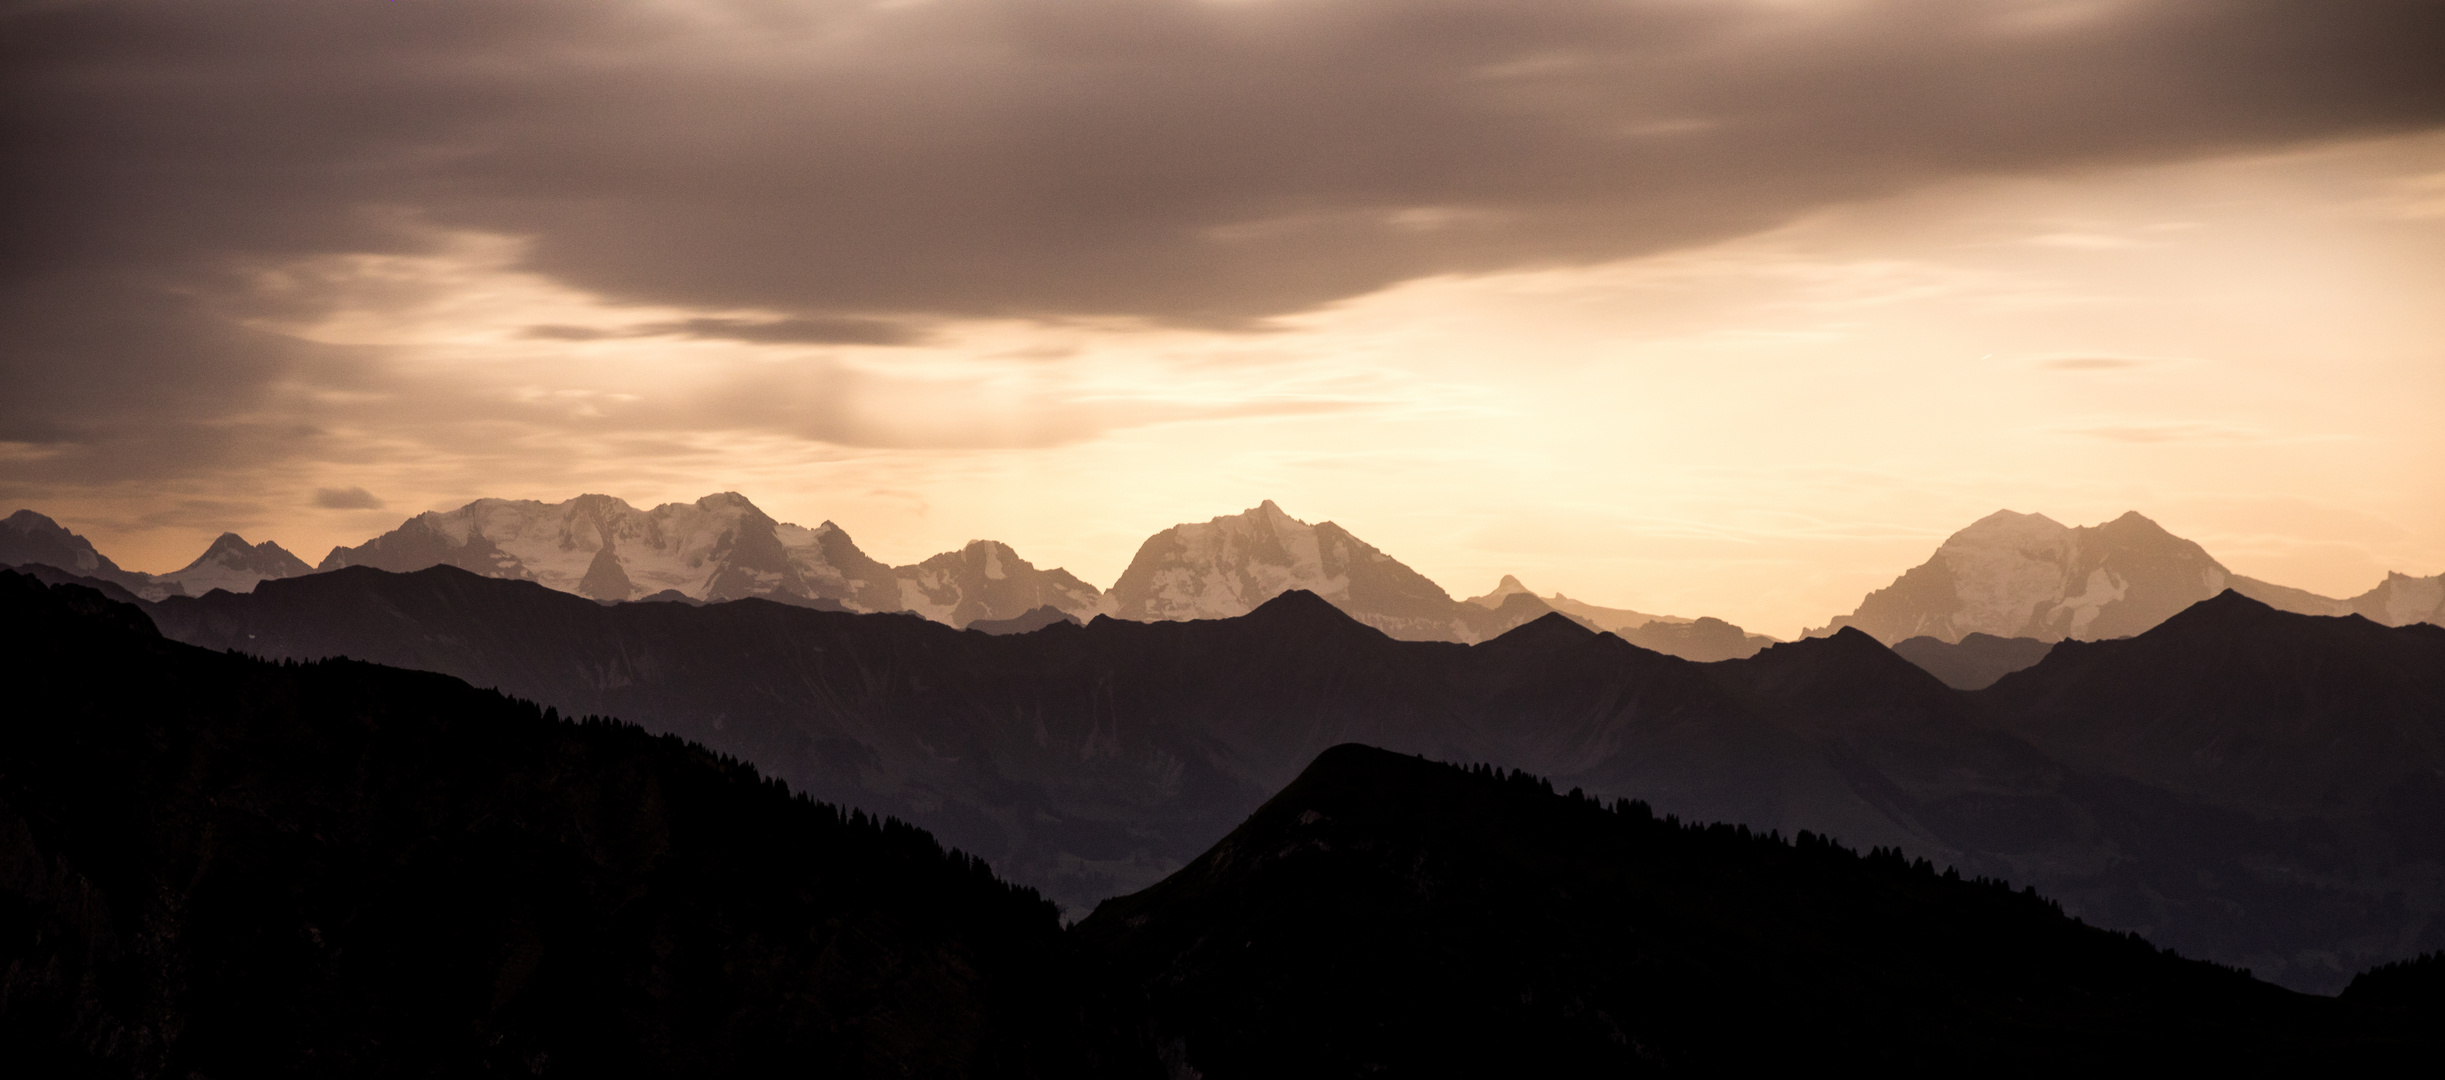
(1178, 161)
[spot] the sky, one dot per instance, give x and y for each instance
(1721, 307)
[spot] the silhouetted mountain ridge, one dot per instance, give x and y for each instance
(1092, 761)
(1383, 914)
(213, 865)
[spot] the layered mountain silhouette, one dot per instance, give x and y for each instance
(2025, 575)
(2332, 718)
(214, 865)
(1975, 661)
(1384, 915)
(1702, 639)
(1091, 761)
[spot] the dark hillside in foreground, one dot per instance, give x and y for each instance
(1092, 761)
(216, 866)
(1387, 915)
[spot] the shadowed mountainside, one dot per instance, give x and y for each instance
(1091, 761)
(1975, 661)
(2336, 719)
(214, 865)
(1384, 914)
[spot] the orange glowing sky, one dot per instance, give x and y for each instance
(1731, 392)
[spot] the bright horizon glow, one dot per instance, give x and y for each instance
(2248, 350)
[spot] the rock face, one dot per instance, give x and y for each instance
(1230, 566)
(987, 581)
(233, 564)
(2401, 600)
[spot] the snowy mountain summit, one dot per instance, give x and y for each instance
(233, 564)
(720, 547)
(1228, 566)
(2027, 575)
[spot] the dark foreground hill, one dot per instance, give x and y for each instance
(1092, 761)
(1384, 915)
(215, 866)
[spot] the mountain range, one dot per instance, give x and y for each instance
(2008, 575)
(212, 864)
(1092, 760)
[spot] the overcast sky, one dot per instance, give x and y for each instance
(1729, 307)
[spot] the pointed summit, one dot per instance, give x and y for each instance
(1508, 587)
(233, 564)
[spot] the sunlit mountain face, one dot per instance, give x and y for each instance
(1731, 309)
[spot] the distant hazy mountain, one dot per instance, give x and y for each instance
(30, 539)
(2026, 575)
(2401, 600)
(1602, 618)
(216, 866)
(719, 547)
(986, 580)
(1703, 639)
(1027, 623)
(1231, 565)
(1093, 760)
(233, 564)
(1385, 915)
(1974, 662)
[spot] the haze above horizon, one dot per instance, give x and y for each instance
(1732, 309)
